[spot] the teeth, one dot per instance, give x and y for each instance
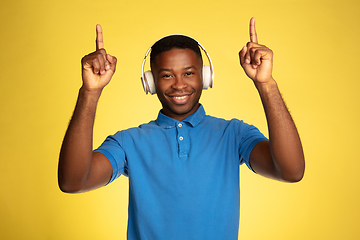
(182, 97)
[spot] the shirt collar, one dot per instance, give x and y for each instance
(168, 122)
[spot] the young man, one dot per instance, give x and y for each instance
(183, 168)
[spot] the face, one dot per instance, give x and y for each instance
(178, 81)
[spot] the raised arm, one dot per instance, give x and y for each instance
(282, 156)
(79, 168)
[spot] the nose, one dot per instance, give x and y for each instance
(179, 83)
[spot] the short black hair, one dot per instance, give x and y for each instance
(174, 41)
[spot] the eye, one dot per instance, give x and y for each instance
(166, 76)
(189, 73)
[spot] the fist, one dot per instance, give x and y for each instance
(256, 59)
(98, 67)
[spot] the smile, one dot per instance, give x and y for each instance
(180, 97)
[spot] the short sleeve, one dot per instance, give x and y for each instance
(249, 137)
(112, 149)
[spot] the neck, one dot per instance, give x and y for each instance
(180, 116)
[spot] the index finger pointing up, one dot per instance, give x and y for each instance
(99, 37)
(253, 36)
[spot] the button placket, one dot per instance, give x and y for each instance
(182, 140)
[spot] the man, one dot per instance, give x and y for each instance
(183, 168)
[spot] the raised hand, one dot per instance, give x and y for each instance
(98, 67)
(256, 59)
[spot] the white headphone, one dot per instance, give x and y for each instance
(147, 78)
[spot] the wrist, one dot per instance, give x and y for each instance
(266, 86)
(90, 95)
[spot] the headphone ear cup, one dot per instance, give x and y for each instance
(206, 72)
(149, 83)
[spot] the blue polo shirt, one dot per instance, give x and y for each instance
(183, 176)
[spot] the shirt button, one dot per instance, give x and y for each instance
(181, 138)
(179, 125)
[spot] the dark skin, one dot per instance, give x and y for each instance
(178, 80)
(281, 157)
(79, 168)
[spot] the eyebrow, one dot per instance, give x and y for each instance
(169, 70)
(190, 67)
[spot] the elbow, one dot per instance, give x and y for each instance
(296, 175)
(293, 178)
(69, 182)
(67, 189)
(68, 186)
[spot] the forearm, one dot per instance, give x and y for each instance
(76, 151)
(285, 145)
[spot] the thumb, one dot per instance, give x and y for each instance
(242, 54)
(112, 60)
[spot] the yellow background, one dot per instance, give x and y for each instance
(316, 54)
